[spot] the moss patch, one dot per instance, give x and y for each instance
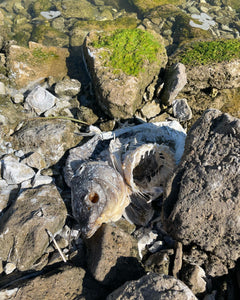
(202, 53)
(129, 49)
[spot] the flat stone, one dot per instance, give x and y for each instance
(2, 88)
(7, 193)
(40, 100)
(35, 160)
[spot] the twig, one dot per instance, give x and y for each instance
(55, 243)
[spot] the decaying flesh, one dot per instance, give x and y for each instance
(127, 165)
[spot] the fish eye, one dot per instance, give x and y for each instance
(93, 197)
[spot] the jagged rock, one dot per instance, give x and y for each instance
(15, 172)
(23, 238)
(119, 92)
(151, 109)
(158, 262)
(155, 287)
(174, 81)
(40, 100)
(65, 282)
(67, 87)
(50, 138)
(194, 277)
(202, 201)
(26, 64)
(112, 256)
(181, 110)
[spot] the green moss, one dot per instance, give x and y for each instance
(41, 55)
(202, 53)
(129, 49)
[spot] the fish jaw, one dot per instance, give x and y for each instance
(147, 168)
(99, 195)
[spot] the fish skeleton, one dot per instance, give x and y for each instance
(120, 172)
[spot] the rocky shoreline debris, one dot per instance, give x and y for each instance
(189, 247)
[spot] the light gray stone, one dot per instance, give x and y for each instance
(15, 172)
(2, 88)
(154, 287)
(67, 87)
(40, 100)
(7, 193)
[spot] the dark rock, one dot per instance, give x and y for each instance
(174, 81)
(65, 282)
(112, 256)
(202, 201)
(154, 287)
(181, 110)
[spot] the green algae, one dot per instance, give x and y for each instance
(38, 56)
(129, 49)
(203, 53)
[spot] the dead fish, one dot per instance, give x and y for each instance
(120, 172)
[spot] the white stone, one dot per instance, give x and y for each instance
(15, 172)
(9, 268)
(205, 19)
(40, 100)
(49, 15)
(18, 98)
(41, 180)
(146, 239)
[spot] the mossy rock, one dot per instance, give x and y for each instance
(145, 5)
(233, 3)
(82, 27)
(128, 49)
(208, 52)
(49, 36)
(123, 63)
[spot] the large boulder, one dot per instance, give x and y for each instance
(122, 64)
(202, 203)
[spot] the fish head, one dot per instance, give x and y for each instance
(99, 196)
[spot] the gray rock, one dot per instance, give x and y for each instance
(154, 287)
(40, 100)
(7, 193)
(202, 199)
(23, 238)
(65, 283)
(174, 81)
(181, 110)
(15, 172)
(50, 138)
(35, 160)
(67, 87)
(112, 256)
(194, 277)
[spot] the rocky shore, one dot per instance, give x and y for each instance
(54, 98)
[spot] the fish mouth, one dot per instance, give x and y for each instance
(147, 168)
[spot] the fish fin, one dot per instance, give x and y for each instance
(115, 152)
